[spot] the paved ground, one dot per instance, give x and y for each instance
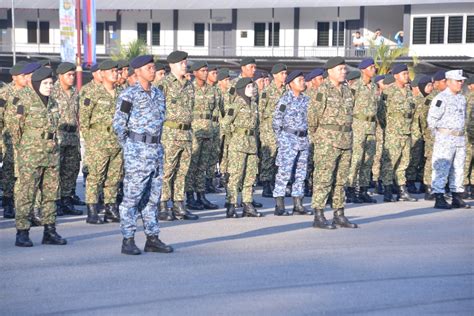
(405, 259)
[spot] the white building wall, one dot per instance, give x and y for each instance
(186, 21)
(388, 18)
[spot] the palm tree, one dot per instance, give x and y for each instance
(385, 56)
(131, 50)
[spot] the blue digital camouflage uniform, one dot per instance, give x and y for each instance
(446, 119)
(138, 123)
(290, 125)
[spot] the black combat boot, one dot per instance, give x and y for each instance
(280, 207)
(230, 211)
(76, 200)
(364, 196)
(154, 244)
(250, 211)
(68, 206)
(23, 238)
(467, 192)
(471, 196)
(180, 212)
(210, 187)
(387, 194)
(411, 187)
(405, 196)
(201, 198)
(36, 217)
(267, 189)
(129, 247)
(320, 221)
(441, 202)
(191, 203)
(111, 213)
(92, 215)
(341, 220)
(429, 196)
(256, 204)
(51, 237)
(350, 195)
(308, 189)
(164, 212)
(298, 207)
(457, 201)
(379, 189)
(8, 207)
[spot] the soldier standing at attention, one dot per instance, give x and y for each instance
(34, 135)
(160, 73)
(138, 123)
(332, 128)
(122, 70)
(177, 136)
(223, 82)
(268, 100)
(468, 167)
(290, 125)
(446, 119)
(105, 162)
(379, 135)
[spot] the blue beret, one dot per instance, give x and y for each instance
(31, 67)
(141, 61)
(398, 68)
(293, 75)
(41, 74)
(439, 75)
(94, 67)
(314, 73)
(424, 80)
(366, 63)
(17, 68)
(176, 57)
(378, 78)
(355, 74)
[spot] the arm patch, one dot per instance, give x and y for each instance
(282, 108)
(230, 112)
(264, 95)
(126, 106)
(232, 91)
(15, 100)
(319, 97)
(20, 109)
(438, 103)
(87, 101)
(2, 103)
(427, 102)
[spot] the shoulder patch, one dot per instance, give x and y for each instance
(264, 95)
(160, 87)
(2, 103)
(282, 108)
(15, 100)
(230, 112)
(319, 97)
(438, 103)
(232, 90)
(20, 109)
(87, 101)
(427, 102)
(126, 106)
(353, 92)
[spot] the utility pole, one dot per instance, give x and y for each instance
(79, 53)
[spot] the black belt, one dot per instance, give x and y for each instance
(296, 132)
(143, 137)
(68, 128)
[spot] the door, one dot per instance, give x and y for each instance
(352, 26)
(222, 41)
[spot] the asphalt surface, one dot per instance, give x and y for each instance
(405, 259)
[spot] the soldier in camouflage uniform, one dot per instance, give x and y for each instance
(223, 79)
(468, 167)
(105, 162)
(138, 123)
(379, 135)
(399, 116)
(268, 100)
(33, 132)
(177, 136)
(122, 70)
(242, 120)
(363, 129)
(290, 125)
(330, 121)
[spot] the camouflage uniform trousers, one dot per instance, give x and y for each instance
(363, 153)
(396, 157)
(213, 155)
(288, 161)
(379, 143)
(448, 163)
(223, 164)
(428, 169)
(268, 153)
(175, 168)
(70, 163)
(8, 180)
(200, 157)
(331, 170)
(417, 160)
(105, 172)
(34, 181)
(310, 168)
(243, 169)
(468, 166)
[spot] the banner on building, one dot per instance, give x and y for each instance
(88, 32)
(67, 27)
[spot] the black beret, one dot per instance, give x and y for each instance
(353, 75)
(160, 66)
(131, 71)
(470, 80)
(176, 57)
(212, 67)
(44, 62)
(366, 63)
(198, 65)
(94, 67)
(247, 61)
(424, 80)
(223, 73)
(108, 64)
(65, 67)
(388, 79)
(416, 80)
(242, 83)
(141, 61)
(188, 69)
(30, 67)
(314, 73)
(293, 75)
(278, 68)
(121, 63)
(439, 75)
(333, 62)
(17, 68)
(399, 68)
(41, 74)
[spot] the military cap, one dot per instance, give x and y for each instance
(258, 75)
(247, 61)
(278, 68)
(44, 62)
(121, 63)
(389, 79)
(30, 67)
(455, 74)
(222, 74)
(176, 57)
(94, 67)
(212, 67)
(131, 71)
(378, 78)
(333, 62)
(17, 68)
(160, 66)
(141, 61)
(398, 68)
(41, 74)
(293, 75)
(353, 75)
(470, 80)
(416, 80)
(424, 80)
(108, 64)
(188, 69)
(242, 83)
(316, 72)
(366, 63)
(198, 65)
(439, 75)
(65, 67)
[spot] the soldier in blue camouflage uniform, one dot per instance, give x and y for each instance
(290, 125)
(138, 123)
(446, 120)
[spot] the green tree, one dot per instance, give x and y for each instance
(131, 50)
(385, 56)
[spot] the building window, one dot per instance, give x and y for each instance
(100, 33)
(419, 30)
(44, 32)
(470, 29)
(341, 34)
(259, 31)
(142, 29)
(323, 34)
(455, 29)
(32, 32)
(275, 35)
(437, 30)
(198, 34)
(155, 34)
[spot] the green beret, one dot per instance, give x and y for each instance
(470, 80)
(242, 83)
(198, 65)
(42, 73)
(223, 73)
(108, 64)
(122, 63)
(416, 80)
(17, 68)
(65, 67)
(247, 61)
(389, 79)
(44, 62)
(333, 62)
(212, 67)
(176, 57)
(160, 66)
(353, 75)
(278, 68)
